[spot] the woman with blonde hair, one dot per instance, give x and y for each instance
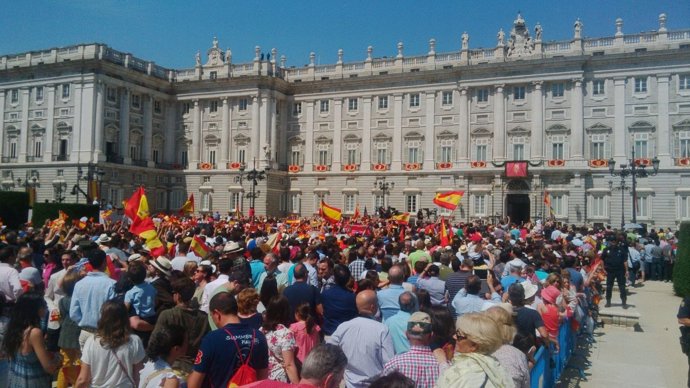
(477, 336)
(247, 303)
(512, 359)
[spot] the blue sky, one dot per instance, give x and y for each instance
(170, 32)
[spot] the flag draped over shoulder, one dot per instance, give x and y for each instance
(547, 203)
(449, 199)
(137, 209)
(330, 213)
(188, 206)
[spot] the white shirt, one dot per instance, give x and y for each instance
(209, 289)
(53, 290)
(105, 369)
(9, 283)
(179, 262)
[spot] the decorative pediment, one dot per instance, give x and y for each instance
(446, 134)
(351, 138)
(295, 140)
(12, 130)
(481, 132)
(682, 126)
(241, 139)
(558, 129)
(519, 131)
(381, 137)
(641, 126)
(211, 139)
(414, 135)
(158, 140)
(322, 140)
(599, 128)
(37, 129)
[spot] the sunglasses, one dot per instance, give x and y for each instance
(459, 336)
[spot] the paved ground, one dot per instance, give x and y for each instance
(647, 356)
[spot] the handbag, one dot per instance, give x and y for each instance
(124, 369)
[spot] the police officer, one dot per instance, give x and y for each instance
(615, 258)
(684, 321)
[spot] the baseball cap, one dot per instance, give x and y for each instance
(419, 324)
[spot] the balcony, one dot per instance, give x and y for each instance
(170, 166)
(112, 158)
(7, 159)
(140, 163)
(60, 158)
(206, 166)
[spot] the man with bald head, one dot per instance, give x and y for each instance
(365, 341)
(388, 297)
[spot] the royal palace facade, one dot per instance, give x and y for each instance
(421, 124)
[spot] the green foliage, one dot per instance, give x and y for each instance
(681, 270)
(14, 210)
(49, 211)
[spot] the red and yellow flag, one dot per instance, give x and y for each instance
(547, 203)
(137, 209)
(188, 206)
(444, 235)
(330, 213)
(356, 215)
(448, 200)
(402, 218)
(199, 247)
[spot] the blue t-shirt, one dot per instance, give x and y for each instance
(142, 298)
(338, 307)
(299, 293)
(506, 281)
(257, 267)
(218, 357)
(576, 279)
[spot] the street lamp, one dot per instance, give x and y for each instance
(634, 171)
(76, 189)
(254, 176)
(385, 187)
(60, 187)
(622, 187)
(100, 173)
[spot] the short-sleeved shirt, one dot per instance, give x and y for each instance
(684, 309)
(218, 355)
(338, 307)
(301, 292)
(528, 321)
(104, 365)
(142, 298)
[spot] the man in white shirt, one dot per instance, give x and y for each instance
(231, 251)
(54, 288)
(10, 286)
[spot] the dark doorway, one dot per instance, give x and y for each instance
(517, 207)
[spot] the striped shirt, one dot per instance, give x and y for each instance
(419, 364)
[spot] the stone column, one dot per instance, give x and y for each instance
(50, 122)
(429, 135)
(619, 120)
(124, 126)
(537, 134)
(499, 124)
(309, 141)
(256, 138)
(2, 121)
(264, 129)
(337, 133)
(148, 130)
(224, 133)
(196, 137)
(86, 96)
(24, 126)
(366, 134)
(273, 139)
(396, 163)
(463, 129)
(576, 120)
(663, 149)
(170, 140)
(99, 127)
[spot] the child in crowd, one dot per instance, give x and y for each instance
(69, 335)
(306, 331)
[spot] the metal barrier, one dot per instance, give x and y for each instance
(549, 364)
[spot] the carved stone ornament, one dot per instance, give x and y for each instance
(216, 57)
(520, 43)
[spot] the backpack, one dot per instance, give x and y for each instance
(245, 374)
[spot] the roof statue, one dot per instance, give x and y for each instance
(216, 57)
(520, 43)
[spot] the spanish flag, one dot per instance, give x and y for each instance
(59, 222)
(444, 235)
(448, 200)
(356, 215)
(330, 213)
(547, 203)
(199, 247)
(402, 218)
(188, 206)
(137, 209)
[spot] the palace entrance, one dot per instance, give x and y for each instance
(517, 202)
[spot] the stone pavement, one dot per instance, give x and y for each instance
(648, 355)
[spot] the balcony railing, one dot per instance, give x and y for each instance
(60, 158)
(34, 158)
(114, 159)
(140, 163)
(7, 159)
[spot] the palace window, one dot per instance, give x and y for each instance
(14, 96)
(213, 106)
(641, 144)
(352, 104)
(350, 203)
(447, 98)
(383, 102)
(185, 108)
(296, 155)
(236, 201)
(242, 105)
(684, 207)
(325, 105)
(39, 93)
(411, 203)
(598, 206)
(557, 90)
(682, 144)
(414, 100)
(598, 87)
(296, 109)
(295, 203)
(518, 93)
(558, 203)
(65, 90)
(482, 95)
(136, 101)
(640, 84)
(480, 208)
(684, 82)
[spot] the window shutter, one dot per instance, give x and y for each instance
(527, 154)
(453, 152)
(651, 147)
(420, 154)
(566, 147)
(439, 152)
(358, 156)
(473, 152)
(607, 148)
(676, 145)
(406, 154)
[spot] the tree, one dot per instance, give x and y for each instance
(681, 270)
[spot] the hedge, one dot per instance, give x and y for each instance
(681, 269)
(44, 211)
(15, 208)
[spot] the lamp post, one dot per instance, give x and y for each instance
(254, 176)
(622, 187)
(99, 174)
(76, 189)
(385, 187)
(60, 187)
(634, 171)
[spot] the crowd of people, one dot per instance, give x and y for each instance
(272, 303)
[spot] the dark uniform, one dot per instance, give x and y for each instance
(615, 257)
(684, 312)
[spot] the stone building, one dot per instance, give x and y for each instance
(425, 124)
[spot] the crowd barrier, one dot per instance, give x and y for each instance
(549, 364)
